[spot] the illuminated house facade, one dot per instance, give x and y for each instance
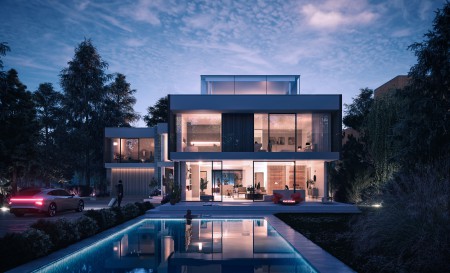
(136, 156)
(245, 137)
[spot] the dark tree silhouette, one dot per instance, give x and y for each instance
(19, 128)
(83, 84)
(120, 102)
(157, 113)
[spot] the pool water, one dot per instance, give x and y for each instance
(168, 245)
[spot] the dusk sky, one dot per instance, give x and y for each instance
(337, 46)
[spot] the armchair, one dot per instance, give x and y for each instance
(277, 198)
(242, 190)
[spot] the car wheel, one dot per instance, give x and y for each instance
(80, 207)
(18, 214)
(52, 210)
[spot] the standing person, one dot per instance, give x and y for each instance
(119, 193)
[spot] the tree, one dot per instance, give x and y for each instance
(158, 113)
(424, 131)
(356, 113)
(353, 179)
(120, 102)
(3, 49)
(381, 143)
(83, 84)
(19, 129)
(49, 116)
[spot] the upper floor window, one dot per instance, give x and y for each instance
(199, 132)
(250, 85)
(130, 150)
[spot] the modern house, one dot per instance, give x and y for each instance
(137, 156)
(247, 137)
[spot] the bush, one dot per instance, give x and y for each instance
(19, 248)
(119, 215)
(86, 226)
(130, 211)
(148, 206)
(62, 232)
(411, 232)
(105, 218)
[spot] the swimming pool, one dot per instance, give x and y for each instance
(200, 245)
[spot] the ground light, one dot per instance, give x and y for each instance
(376, 205)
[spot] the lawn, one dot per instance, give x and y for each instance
(331, 232)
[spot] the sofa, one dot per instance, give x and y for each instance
(298, 196)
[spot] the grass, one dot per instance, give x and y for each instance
(332, 232)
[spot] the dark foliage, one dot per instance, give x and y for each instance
(19, 248)
(158, 113)
(62, 232)
(86, 226)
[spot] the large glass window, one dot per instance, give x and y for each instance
(320, 132)
(304, 133)
(199, 132)
(130, 150)
(282, 133)
(261, 132)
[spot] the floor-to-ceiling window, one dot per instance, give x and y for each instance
(282, 133)
(199, 132)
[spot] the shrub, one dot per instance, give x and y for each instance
(86, 226)
(62, 232)
(141, 207)
(130, 211)
(19, 248)
(119, 215)
(148, 206)
(411, 232)
(109, 217)
(105, 218)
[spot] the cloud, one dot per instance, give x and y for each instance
(135, 42)
(113, 21)
(334, 14)
(404, 32)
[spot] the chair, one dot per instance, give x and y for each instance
(277, 198)
(242, 190)
(296, 197)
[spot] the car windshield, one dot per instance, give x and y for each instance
(28, 192)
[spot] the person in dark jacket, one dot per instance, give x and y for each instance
(119, 193)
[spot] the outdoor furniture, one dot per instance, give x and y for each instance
(277, 198)
(286, 194)
(297, 197)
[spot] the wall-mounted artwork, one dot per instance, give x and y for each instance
(273, 140)
(281, 141)
(291, 141)
(227, 177)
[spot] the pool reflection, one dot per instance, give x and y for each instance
(196, 245)
(205, 246)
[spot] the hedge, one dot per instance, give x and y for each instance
(45, 236)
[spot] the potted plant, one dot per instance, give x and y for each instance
(203, 185)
